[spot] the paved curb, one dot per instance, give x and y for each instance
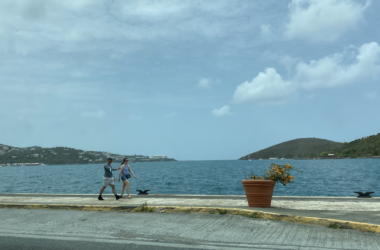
(67, 207)
(331, 223)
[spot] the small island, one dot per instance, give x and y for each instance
(14, 156)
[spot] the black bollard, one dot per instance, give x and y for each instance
(364, 195)
(145, 192)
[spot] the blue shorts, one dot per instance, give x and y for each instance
(123, 177)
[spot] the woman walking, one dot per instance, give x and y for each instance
(125, 174)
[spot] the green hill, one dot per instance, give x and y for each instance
(306, 148)
(62, 155)
(298, 148)
(363, 147)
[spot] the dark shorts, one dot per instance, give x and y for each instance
(123, 177)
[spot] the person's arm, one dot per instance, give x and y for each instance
(121, 170)
(130, 169)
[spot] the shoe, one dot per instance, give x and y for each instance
(117, 197)
(100, 198)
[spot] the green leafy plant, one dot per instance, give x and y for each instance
(324, 154)
(222, 211)
(336, 225)
(277, 173)
(144, 208)
(255, 215)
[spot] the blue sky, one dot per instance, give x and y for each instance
(193, 80)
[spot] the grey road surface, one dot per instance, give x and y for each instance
(68, 229)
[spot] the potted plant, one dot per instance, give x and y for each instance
(259, 189)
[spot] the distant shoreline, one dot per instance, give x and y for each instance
(320, 158)
(58, 164)
(65, 156)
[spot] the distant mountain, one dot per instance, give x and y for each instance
(298, 148)
(306, 148)
(63, 155)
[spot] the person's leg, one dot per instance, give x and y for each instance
(101, 192)
(114, 191)
(128, 188)
(105, 184)
(122, 189)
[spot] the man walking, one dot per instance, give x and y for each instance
(108, 179)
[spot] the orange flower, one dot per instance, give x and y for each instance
(278, 173)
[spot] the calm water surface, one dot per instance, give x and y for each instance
(319, 177)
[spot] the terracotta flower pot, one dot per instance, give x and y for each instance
(259, 192)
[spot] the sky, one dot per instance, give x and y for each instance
(192, 80)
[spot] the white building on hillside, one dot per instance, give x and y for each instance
(159, 157)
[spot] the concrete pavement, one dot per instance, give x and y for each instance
(362, 214)
(68, 229)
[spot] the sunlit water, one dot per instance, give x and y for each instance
(318, 177)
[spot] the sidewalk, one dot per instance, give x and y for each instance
(362, 214)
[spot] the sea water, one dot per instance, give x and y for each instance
(318, 177)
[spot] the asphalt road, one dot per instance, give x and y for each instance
(67, 229)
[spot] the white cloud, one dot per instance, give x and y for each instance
(225, 110)
(153, 9)
(288, 61)
(331, 71)
(98, 115)
(266, 88)
(206, 83)
(119, 25)
(316, 20)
